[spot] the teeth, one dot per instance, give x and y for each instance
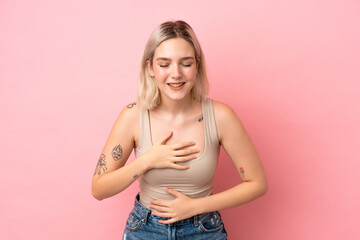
(175, 85)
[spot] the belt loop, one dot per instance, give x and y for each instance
(196, 220)
(144, 220)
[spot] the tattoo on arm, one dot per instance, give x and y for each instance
(242, 171)
(200, 119)
(136, 176)
(131, 105)
(101, 165)
(117, 152)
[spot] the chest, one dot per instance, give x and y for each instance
(188, 129)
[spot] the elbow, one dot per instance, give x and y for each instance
(96, 195)
(95, 192)
(263, 188)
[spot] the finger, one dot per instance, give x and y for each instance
(185, 158)
(158, 209)
(165, 138)
(162, 214)
(179, 167)
(186, 152)
(173, 192)
(183, 145)
(169, 221)
(159, 203)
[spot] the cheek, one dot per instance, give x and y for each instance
(192, 73)
(160, 73)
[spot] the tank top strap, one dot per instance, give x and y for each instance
(209, 121)
(144, 137)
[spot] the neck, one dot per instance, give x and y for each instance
(175, 107)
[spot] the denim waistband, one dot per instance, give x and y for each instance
(146, 215)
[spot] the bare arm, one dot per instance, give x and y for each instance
(237, 144)
(112, 176)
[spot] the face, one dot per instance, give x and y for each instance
(174, 68)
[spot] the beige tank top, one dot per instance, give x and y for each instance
(195, 182)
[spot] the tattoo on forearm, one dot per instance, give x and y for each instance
(117, 152)
(200, 119)
(101, 165)
(242, 171)
(131, 105)
(135, 176)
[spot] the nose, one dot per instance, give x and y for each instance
(176, 72)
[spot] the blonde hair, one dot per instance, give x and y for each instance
(148, 92)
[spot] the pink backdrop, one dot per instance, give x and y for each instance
(290, 69)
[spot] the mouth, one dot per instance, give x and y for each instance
(176, 85)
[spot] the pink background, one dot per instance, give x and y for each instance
(290, 69)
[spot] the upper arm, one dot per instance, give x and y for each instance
(237, 144)
(120, 141)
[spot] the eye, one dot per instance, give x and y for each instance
(164, 65)
(187, 65)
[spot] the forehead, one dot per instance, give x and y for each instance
(174, 48)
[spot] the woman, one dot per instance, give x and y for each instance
(176, 132)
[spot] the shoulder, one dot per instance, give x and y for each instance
(128, 118)
(226, 119)
(223, 112)
(129, 112)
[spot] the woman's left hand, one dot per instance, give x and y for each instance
(180, 208)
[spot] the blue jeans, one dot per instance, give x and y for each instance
(142, 225)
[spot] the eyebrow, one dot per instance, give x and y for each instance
(168, 59)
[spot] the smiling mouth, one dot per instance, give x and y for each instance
(175, 85)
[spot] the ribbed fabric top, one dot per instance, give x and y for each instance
(195, 182)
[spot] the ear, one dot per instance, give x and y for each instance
(197, 63)
(150, 68)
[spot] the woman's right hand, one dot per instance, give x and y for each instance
(167, 156)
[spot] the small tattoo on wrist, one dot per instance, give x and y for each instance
(135, 176)
(117, 152)
(200, 119)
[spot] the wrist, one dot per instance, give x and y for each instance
(144, 162)
(197, 206)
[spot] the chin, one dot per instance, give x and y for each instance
(177, 96)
